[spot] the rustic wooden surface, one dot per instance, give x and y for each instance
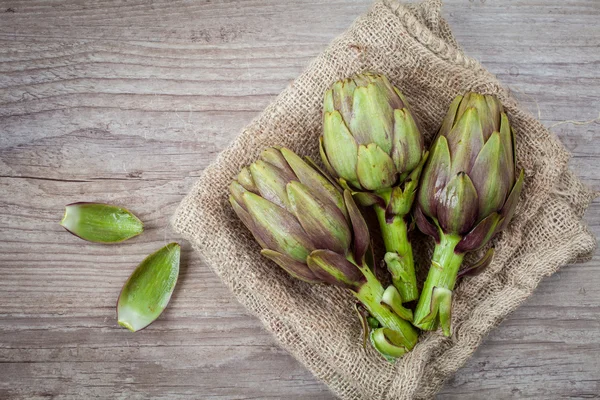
(127, 101)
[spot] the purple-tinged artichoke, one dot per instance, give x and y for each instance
(372, 144)
(316, 233)
(469, 191)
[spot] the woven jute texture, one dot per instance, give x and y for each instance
(414, 47)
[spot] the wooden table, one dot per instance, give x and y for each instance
(127, 101)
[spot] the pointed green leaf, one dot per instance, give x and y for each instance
(340, 147)
(509, 207)
(244, 178)
(480, 235)
(373, 118)
(457, 205)
(405, 103)
(271, 182)
(237, 191)
(496, 109)
(295, 268)
(488, 121)
(464, 103)
(148, 290)
(490, 177)
(375, 168)
(101, 223)
(408, 142)
(324, 159)
(246, 219)
(448, 122)
(360, 229)
(328, 102)
(434, 176)
(425, 225)
(395, 98)
(318, 184)
(465, 141)
(342, 98)
(323, 222)
(507, 140)
(278, 228)
(334, 269)
(274, 157)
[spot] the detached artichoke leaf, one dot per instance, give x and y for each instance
(101, 223)
(148, 290)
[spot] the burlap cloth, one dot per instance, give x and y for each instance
(414, 47)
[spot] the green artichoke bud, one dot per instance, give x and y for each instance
(469, 192)
(373, 145)
(313, 230)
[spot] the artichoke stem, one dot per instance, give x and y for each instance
(401, 267)
(371, 295)
(436, 297)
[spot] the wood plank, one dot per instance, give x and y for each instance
(128, 101)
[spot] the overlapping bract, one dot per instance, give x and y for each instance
(370, 139)
(302, 221)
(470, 186)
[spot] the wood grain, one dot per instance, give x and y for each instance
(128, 101)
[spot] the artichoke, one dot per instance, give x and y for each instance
(315, 232)
(469, 192)
(372, 144)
